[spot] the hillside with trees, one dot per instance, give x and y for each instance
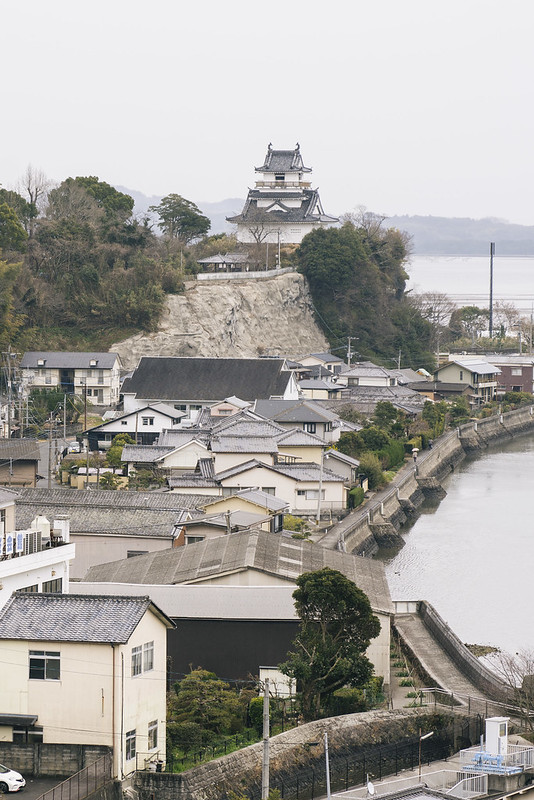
(357, 279)
(79, 270)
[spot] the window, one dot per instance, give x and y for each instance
(124, 422)
(130, 745)
(137, 663)
(148, 420)
(100, 376)
(313, 494)
(89, 392)
(277, 523)
(152, 734)
(180, 406)
(44, 665)
(133, 553)
(516, 371)
(193, 539)
(461, 375)
(148, 656)
(517, 388)
(310, 427)
(268, 489)
(54, 587)
(279, 177)
(301, 492)
(142, 658)
(33, 588)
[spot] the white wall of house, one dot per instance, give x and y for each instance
(102, 384)
(36, 569)
(112, 703)
(302, 453)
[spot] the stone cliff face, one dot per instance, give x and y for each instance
(234, 318)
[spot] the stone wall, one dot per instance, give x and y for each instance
(291, 753)
(412, 483)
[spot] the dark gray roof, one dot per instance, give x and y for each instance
(228, 258)
(244, 444)
(73, 618)
(310, 210)
(296, 411)
(327, 357)
(271, 553)
(262, 499)
(67, 360)
(283, 161)
(145, 514)
(303, 471)
(145, 453)
(208, 379)
(19, 449)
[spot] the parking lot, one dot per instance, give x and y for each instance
(34, 788)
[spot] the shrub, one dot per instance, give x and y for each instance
(255, 712)
(371, 468)
(356, 497)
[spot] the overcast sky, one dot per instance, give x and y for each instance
(405, 107)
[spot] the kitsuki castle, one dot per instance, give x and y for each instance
(283, 207)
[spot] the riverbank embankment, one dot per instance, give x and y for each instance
(378, 521)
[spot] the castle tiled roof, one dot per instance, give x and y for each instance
(283, 161)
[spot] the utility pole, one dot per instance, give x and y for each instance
(492, 253)
(50, 451)
(349, 349)
(327, 766)
(64, 417)
(265, 759)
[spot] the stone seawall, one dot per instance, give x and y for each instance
(375, 524)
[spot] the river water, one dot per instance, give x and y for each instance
(466, 279)
(472, 556)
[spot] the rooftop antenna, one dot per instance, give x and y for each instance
(492, 253)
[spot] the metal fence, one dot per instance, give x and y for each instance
(351, 769)
(84, 782)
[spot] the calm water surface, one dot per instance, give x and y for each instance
(466, 279)
(472, 556)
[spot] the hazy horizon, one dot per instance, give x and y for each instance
(411, 108)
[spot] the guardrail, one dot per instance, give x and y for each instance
(84, 782)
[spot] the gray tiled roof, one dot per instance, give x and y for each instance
(295, 437)
(145, 454)
(67, 360)
(271, 553)
(191, 480)
(308, 471)
(294, 411)
(145, 514)
(72, 618)
(283, 161)
(207, 380)
(309, 211)
(244, 444)
(328, 357)
(19, 449)
(262, 499)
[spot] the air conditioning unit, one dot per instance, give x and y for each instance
(32, 542)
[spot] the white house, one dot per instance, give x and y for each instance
(283, 207)
(477, 373)
(36, 559)
(92, 375)
(143, 424)
(87, 670)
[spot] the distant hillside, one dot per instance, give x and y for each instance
(430, 235)
(464, 236)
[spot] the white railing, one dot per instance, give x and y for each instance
(455, 783)
(240, 276)
(517, 758)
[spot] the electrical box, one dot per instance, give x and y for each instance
(497, 735)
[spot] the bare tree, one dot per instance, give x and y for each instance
(36, 185)
(505, 316)
(436, 308)
(517, 674)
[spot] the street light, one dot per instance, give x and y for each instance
(426, 736)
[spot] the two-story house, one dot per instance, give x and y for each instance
(475, 372)
(95, 376)
(87, 670)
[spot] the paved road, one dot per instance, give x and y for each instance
(34, 788)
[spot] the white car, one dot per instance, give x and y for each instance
(75, 448)
(10, 781)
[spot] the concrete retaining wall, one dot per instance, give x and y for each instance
(52, 760)
(485, 680)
